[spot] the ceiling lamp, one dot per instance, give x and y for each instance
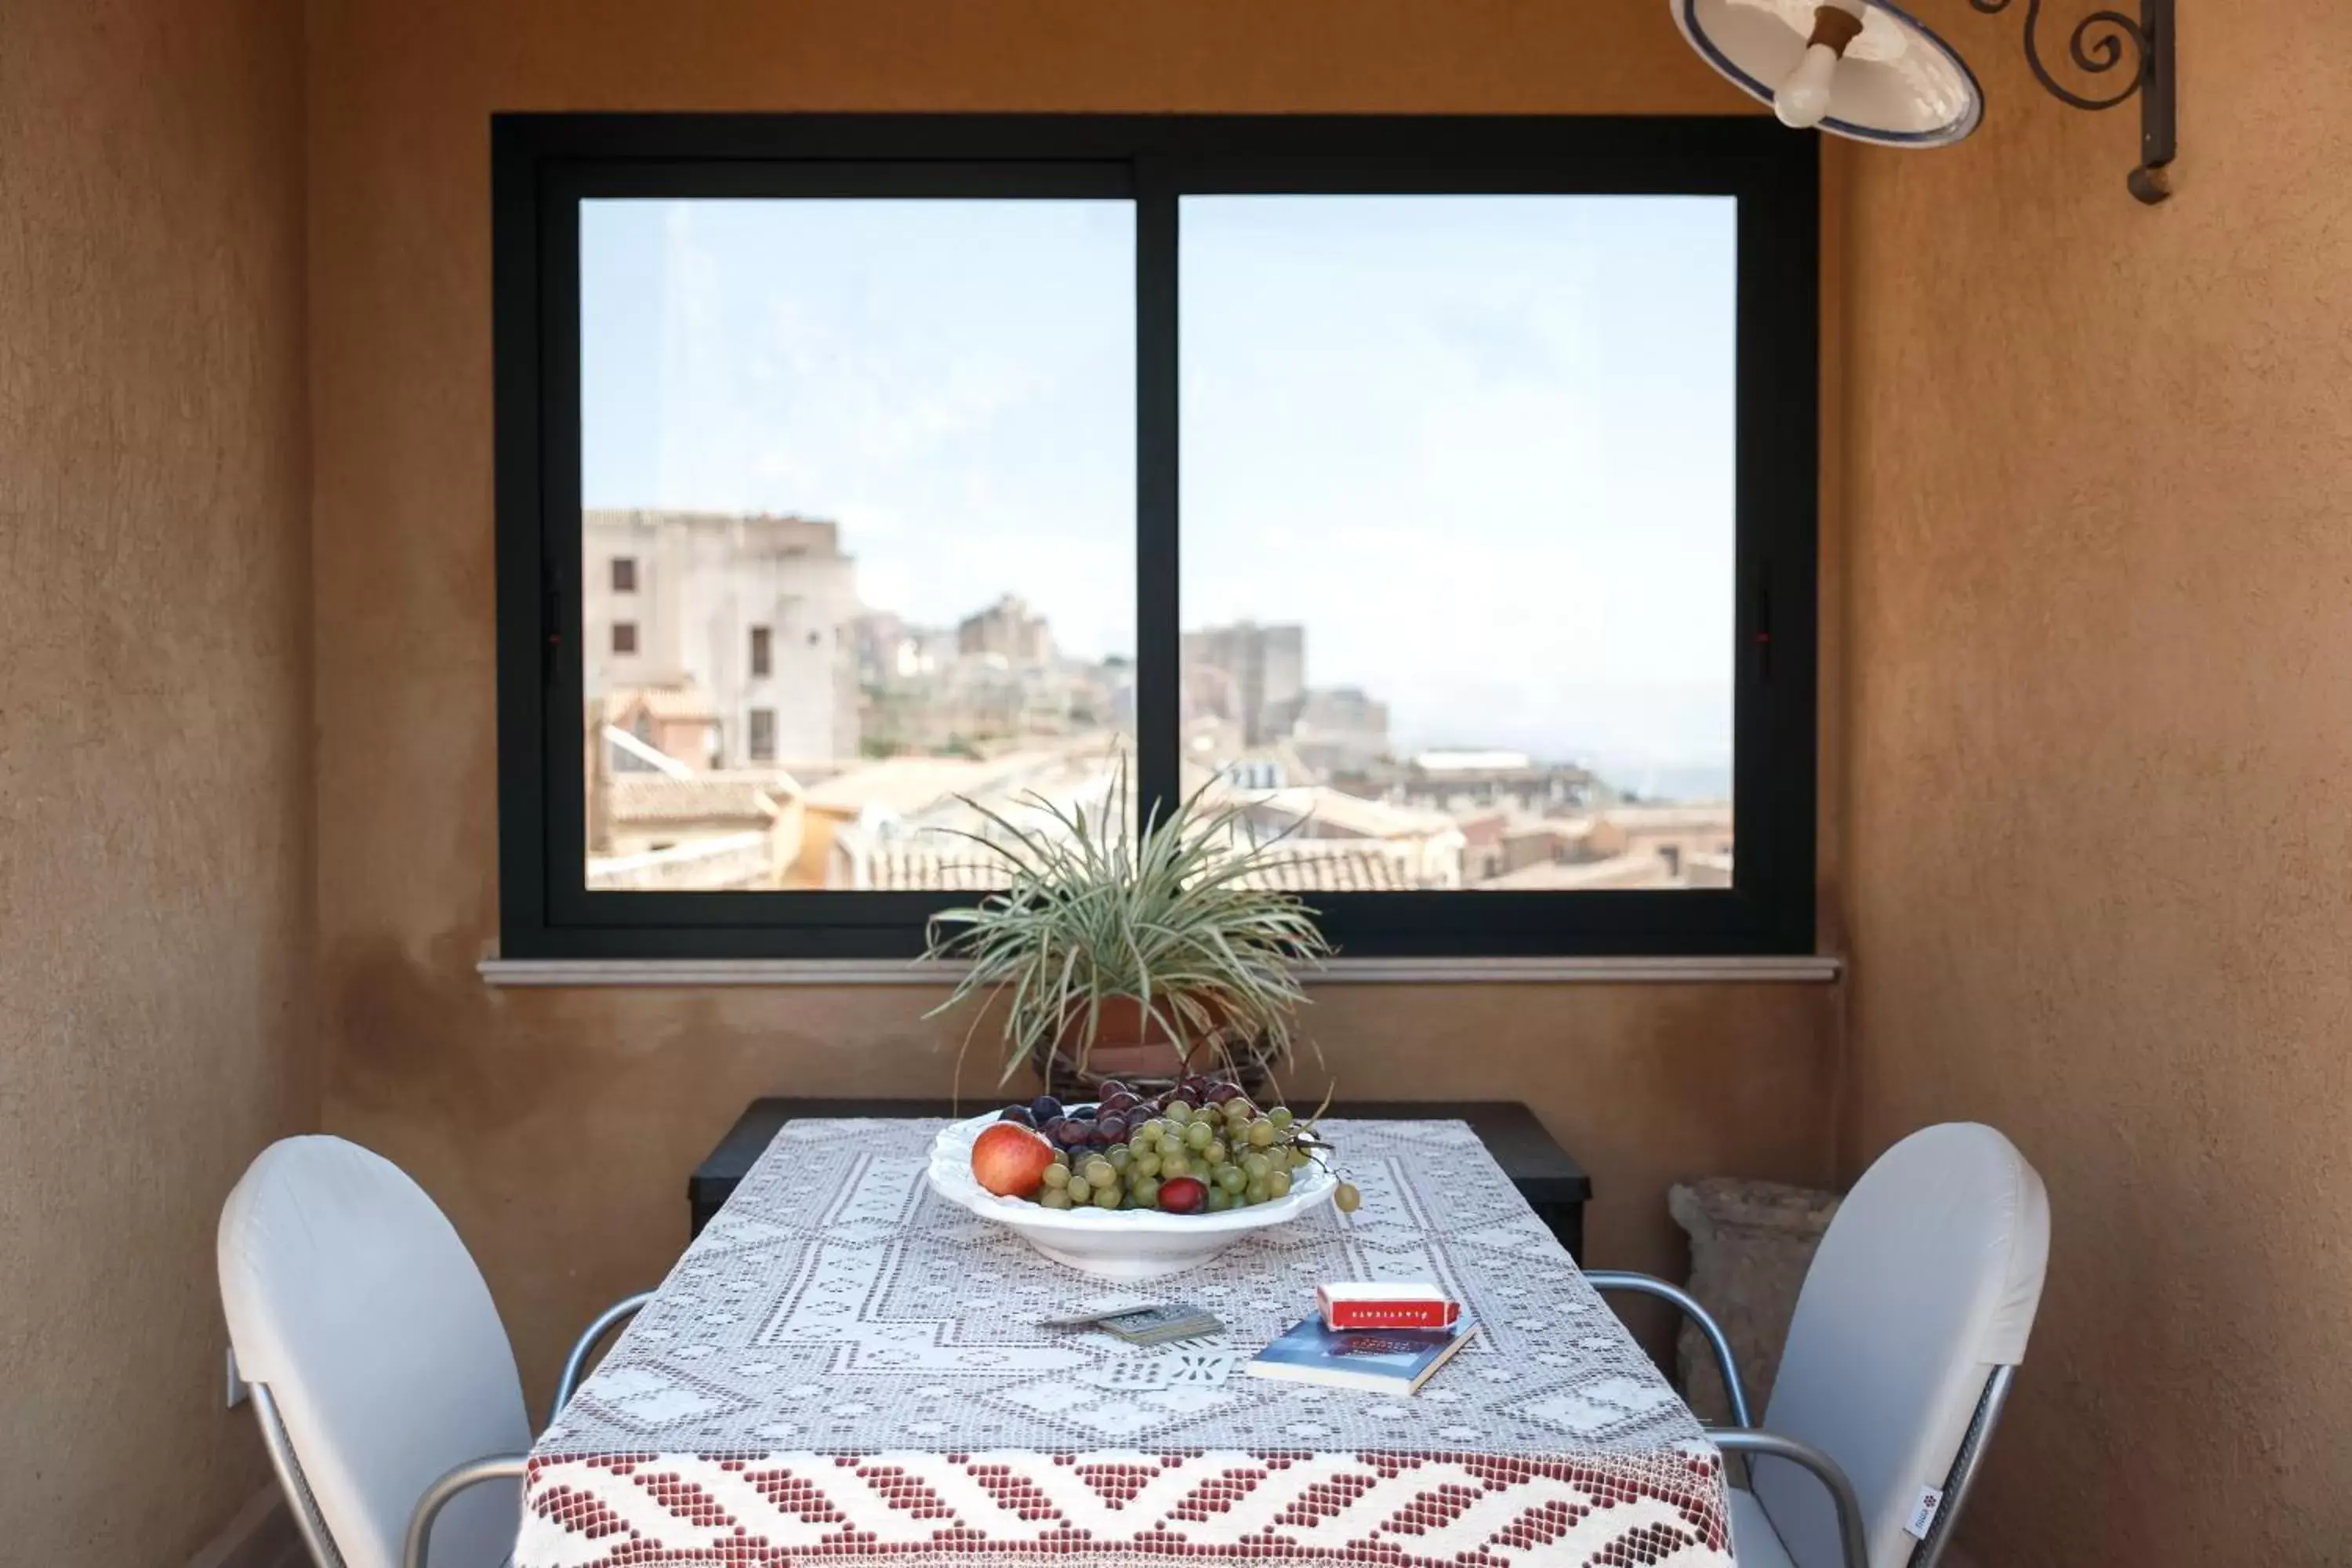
(1867, 69)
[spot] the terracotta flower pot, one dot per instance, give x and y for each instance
(1130, 1045)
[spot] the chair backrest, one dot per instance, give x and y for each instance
(1928, 1280)
(351, 1298)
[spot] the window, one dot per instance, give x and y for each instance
(1438, 492)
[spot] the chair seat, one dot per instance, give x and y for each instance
(1753, 1542)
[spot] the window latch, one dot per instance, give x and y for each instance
(551, 621)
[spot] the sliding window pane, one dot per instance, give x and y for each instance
(1458, 528)
(859, 480)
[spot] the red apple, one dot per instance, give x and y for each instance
(1184, 1195)
(1010, 1160)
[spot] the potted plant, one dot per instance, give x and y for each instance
(1137, 960)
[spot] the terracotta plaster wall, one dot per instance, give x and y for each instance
(559, 1128)
(156, 918)
(2100, 631)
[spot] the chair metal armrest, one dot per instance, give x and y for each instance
(1650, 1285)
(474, 1472)
(1751, 1440)
(577, 1362)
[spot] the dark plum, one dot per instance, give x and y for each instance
(1072, 1132)
(1018, 1114)
(1044, 1108)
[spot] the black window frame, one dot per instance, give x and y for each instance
(543, 165)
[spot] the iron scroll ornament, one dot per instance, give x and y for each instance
(2105, 41)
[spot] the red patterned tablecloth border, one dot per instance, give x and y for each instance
(1125, 1508)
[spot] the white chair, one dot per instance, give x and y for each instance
(379, 1370)
(1910, 1327)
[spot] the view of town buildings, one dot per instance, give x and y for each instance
(750, 722)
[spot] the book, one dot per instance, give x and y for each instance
(1383, 1361)
(1386, 1305)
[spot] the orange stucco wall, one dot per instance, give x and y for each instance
(2082, 589)
(559, 1128)
(155, 907)
(2099, 641)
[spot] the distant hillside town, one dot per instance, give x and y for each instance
(752, 723)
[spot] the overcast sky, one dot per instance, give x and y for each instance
(1481, 448)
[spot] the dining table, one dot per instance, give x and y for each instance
(844, 1369)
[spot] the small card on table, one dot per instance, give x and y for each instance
(1141, 1322)
(1158, 1325)
(1095, 1311)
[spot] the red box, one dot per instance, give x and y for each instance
(1386, 1305)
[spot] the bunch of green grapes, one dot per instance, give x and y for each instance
(1189, 1160)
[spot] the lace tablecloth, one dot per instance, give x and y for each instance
(844, 1369)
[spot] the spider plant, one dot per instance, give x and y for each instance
(1169, 918)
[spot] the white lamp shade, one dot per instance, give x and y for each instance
(1898, 84)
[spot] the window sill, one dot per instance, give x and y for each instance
(572, 973)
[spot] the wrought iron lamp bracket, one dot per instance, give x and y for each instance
(2105, 41)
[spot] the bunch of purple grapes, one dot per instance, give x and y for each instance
(1117, 1113)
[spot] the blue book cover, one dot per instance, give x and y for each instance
(1385, 1360)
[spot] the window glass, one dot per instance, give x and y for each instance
(878, 457)
(1458, 538)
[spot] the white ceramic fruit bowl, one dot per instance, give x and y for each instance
(1117, 1244)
